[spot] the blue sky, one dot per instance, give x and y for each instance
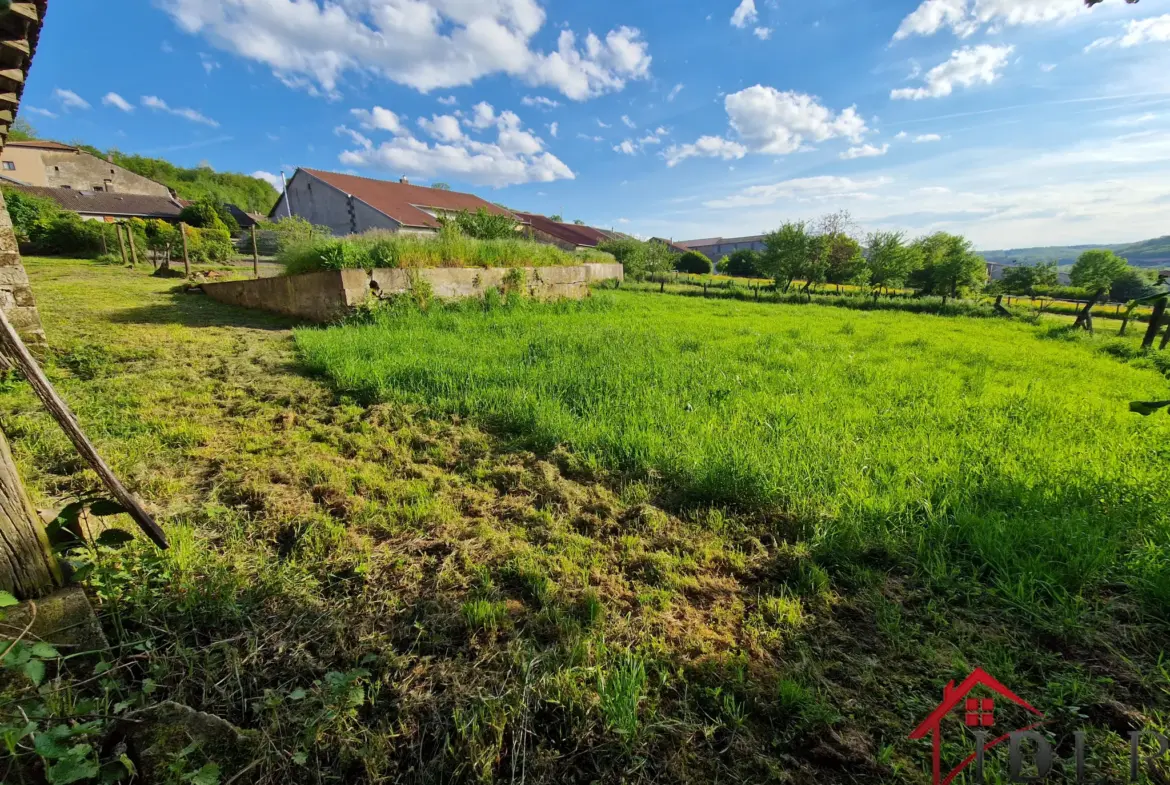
(1016, 122)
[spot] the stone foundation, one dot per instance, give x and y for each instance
(16, 297)
(326, 296)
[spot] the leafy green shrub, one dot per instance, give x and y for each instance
(483, 225)
(693, 262)
(640, 259)
(67, 235)
(209, 213)
(215, 245)
(293, 231)
(27, 211)
(744, 263)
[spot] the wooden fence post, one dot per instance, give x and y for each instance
(27, 567)
(130, 242)
(105, 248)
(186, 256)
(1155, 323)
(121, 243)
(255, 255)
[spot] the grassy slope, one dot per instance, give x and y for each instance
(514, 611)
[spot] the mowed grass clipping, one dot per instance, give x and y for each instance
(967, 445)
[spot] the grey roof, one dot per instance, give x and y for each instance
(755, 238)
(112, 204)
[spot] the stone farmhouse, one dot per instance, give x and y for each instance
(56, 165)
(94, 188)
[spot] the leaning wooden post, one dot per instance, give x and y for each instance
(1165, 339)
(255, 255)
(14, 348)
(186, 255)
(1155, 323)
(121, 243)
(130, 242)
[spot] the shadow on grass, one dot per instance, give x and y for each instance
(199, 310)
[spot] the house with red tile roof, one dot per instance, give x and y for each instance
(349, 204)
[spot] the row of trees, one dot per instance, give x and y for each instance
(832, 251)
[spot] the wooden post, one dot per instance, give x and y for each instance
(1165, 340)
(1155, 323)
(105, 248)
(16, 351)
(186, 256)
(27, 567)
(255, 255)
(130, 242)
(121, 243)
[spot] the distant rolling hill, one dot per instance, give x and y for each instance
(1147, 253)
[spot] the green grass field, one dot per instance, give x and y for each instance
(956, 440)
(645, 539)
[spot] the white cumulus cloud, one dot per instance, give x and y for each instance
(745, 14)
(540, 101)
(423, 44)
(966, 17)
(762, 33)
(1156, 29)
(515, 156)
(270, 178)
(159, 105)
(766, 120)
(865, 151)
(552, 129)
(966, 67)
(118, 102)
(41, 112)
(705, 147)
(627, 147)
(378, 119)
(70, 99)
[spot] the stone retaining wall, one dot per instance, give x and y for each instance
(325, 296)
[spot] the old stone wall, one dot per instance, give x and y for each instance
(16, 296)
(84, 172)
(326, 296)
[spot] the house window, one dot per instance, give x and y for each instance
(98, 188)
(10, 166)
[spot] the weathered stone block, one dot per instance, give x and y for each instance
(64, 619)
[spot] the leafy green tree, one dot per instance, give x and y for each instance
(578, 222)
(949, 265)
(1028, 278)
(204, 213)
(22, 131)
(890, 260)
(744, 263)
(556, 217)
(640, 259)
(483, 225)
(1132, 284)
(844, 261)
(27, 211)
(693, 262)
(1098, 269)
(441, 186)
(787, 253)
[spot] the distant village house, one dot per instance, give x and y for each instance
(56, 165)
(349, 204)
